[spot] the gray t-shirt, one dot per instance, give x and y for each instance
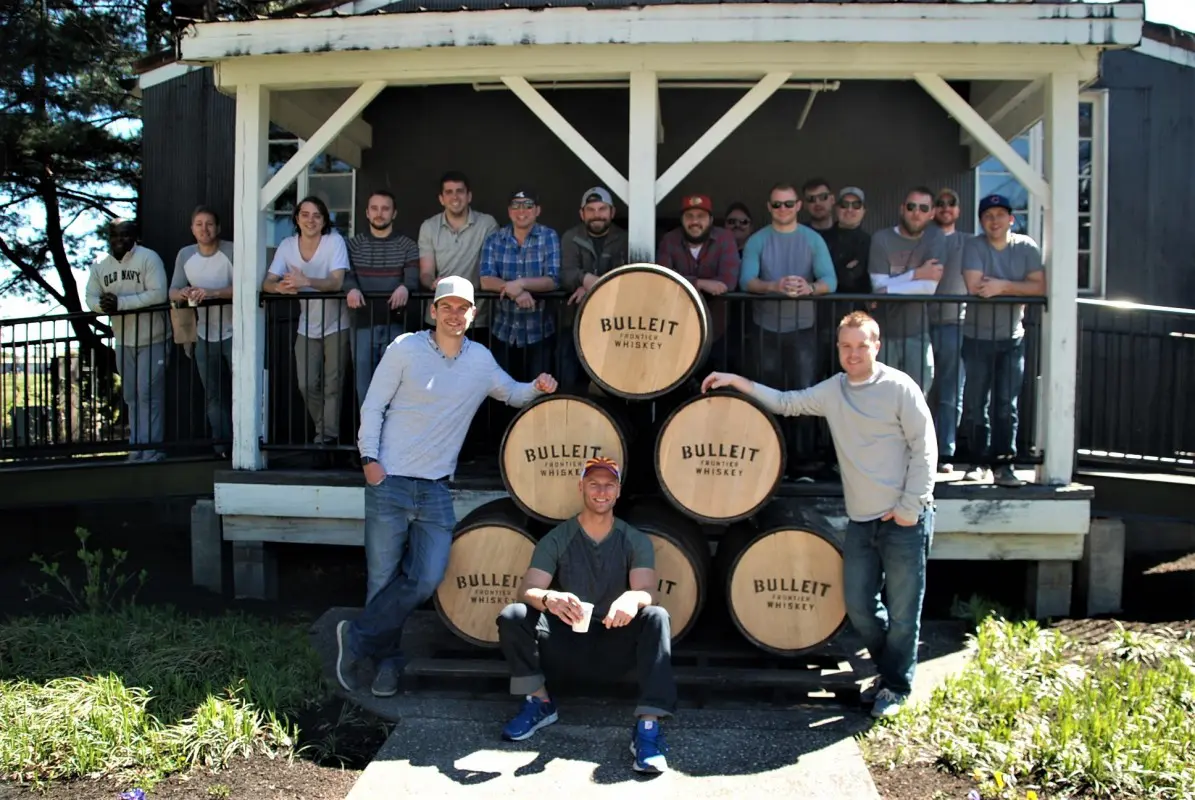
(596, 572)
(192, 268)
(1016, 262)
(421, 402)
(883, 434)
(952, 283)
(893, 255)
(458, 252)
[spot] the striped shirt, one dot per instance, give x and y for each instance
(380, 265)
(538, 257)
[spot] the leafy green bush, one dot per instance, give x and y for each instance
(1039, 710)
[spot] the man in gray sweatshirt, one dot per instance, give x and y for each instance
(414, 419)
(887, 453)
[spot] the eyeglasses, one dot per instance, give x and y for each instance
(785, 203)
(522, 204)
(853, 205)
(737, 221)
(946, 202)
(922, 207)
(817, 198)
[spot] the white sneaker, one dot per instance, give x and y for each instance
(888, 703)
(978, 475)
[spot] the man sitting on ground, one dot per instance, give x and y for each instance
(595, 559)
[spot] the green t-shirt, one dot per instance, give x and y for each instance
(596, 572)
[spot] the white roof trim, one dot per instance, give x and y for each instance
(164, 73)
(1166, 52)
(857, 23)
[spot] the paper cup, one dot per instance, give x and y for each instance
(583, 625)
(192, 303)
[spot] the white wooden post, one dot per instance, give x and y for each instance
(641, 167)
(1056, 415)
(249, 258)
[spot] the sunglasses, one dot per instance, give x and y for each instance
(817, 198)
(785, 203)
(522, 204)
(922, 207)
(737, 222)
(854, 205)
(946, 202)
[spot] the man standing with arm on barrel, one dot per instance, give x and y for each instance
(414, 419)
(589, 568)
(887, 454)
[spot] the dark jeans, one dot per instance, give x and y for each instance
(369, 344)
(995, 375)
(602, 654)
(883, 555)
(210, 358)
(949, 376)
(526, 363)
(788, 361)
(408, 537)
(567, 370)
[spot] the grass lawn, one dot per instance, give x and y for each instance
(1038, 714)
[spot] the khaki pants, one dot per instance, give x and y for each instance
(320, 364)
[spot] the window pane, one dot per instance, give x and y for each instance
(335, 190)
(1021, 145)
(279, 154)
(1085, 113)
(991, 164)
(327, 165)
(1084, 271)
(278, 227)
(285, 202)
(1084, 231)
(343, 222)
(1006, 185)
(1085, 155)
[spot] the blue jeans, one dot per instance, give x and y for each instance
(568, 370)
(210, 358)
(369, 344)
(883, 555)
(995, 375)
(525, 363)
(949, 376)
(143, 384)
(408, 536)
(911, 355)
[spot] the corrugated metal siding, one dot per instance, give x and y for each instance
(882, 136)
(1150, 256)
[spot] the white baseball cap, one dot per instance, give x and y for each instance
(454, 286)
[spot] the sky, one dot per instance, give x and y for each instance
(1179, 13)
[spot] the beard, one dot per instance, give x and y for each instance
(381, 227)
(699, 239)
(598, 227)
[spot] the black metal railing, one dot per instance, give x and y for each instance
(309, 414)
(1136, 381)
(91, 385)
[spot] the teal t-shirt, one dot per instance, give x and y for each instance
(596, 572)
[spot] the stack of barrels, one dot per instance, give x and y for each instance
(642, 334)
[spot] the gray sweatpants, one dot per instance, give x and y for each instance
(143, 384)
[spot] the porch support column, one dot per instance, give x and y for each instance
(984, 134)
(319, 141)
(1056, 415)
(249, 255)
(641, 171)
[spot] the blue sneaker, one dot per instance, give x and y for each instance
(534, 714)
(888, 703)
(648, 748)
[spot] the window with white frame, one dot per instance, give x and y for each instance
(991, 177)
(328, 178)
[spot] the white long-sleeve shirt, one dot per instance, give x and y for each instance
(138, 280)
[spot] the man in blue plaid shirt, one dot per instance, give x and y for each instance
(518, 261)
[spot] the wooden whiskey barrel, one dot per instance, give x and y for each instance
(783, 579)
(491, 550)
(546, 445)
(719, 457)
(641, 331)
(682, 561)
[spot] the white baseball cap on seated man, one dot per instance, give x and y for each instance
(454, 286)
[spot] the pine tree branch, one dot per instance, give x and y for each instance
(30, 272)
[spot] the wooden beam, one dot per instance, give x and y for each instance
(717, 133)
(713, 61)
(1056, 414)
(1010, 118)
(641, 162)
(314, 146)
(985, 134)
(567, 134)
(249, 254)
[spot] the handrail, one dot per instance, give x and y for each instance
(78, 315)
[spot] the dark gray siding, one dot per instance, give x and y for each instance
(881, 136)
(1151, 192)
(187, 159)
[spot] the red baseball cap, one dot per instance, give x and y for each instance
(608, 464)
(697, 201)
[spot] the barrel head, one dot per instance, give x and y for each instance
(485, 566)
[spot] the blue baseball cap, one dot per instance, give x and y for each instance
(994, 201)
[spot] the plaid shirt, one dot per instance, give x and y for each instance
(539, 257)
(718, 260)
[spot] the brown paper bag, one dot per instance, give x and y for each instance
(185, 324)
